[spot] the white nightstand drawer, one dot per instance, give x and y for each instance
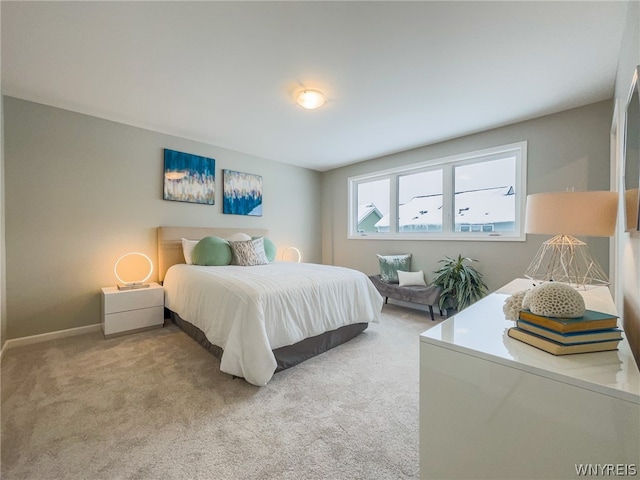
(131, 310)
(133, 320)
(124, 300)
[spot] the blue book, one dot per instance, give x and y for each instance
(557, 348)
(571, 338)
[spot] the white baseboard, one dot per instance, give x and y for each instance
(45, 337)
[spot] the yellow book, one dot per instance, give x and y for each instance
(556, 348)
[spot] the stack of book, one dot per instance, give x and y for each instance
(593, 332)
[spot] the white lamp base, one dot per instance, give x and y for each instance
(133, 286)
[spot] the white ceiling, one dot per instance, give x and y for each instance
(397, 75)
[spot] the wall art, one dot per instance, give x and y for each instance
(632, 156)
(242, 193)
(189, 178)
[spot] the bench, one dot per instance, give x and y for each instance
(429, 295)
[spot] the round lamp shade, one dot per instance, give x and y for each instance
(290, 253)
(133, 268)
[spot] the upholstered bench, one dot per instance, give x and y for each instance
(429, 295)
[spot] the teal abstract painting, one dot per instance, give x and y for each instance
(242, 193)
(189, 178)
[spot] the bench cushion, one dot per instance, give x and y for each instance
(428, 295)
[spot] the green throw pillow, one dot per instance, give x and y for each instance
(390, 264)
(269, 248)
(211, 251)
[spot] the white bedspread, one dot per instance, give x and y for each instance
(250, 311)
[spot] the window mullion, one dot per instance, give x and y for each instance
(393, 203)
(447, 199)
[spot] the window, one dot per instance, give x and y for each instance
(420, 202)
(475, 196)
(374, 199)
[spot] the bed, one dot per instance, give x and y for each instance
(262, 319)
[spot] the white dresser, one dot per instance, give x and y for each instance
(494, 407)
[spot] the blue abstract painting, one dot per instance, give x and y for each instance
(242, 193)
(189, 178)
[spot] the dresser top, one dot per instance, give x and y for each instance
(481, 330)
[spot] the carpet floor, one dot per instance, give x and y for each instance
(154, 405)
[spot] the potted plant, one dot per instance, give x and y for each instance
(461, 284)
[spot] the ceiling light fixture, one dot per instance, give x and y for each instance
(310, 99)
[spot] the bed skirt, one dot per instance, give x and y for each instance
(290, 355)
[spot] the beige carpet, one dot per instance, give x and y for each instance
(154, 405)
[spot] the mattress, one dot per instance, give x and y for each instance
(250, 311)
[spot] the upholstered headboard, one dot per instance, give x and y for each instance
(170, 242)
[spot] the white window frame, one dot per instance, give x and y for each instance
(447, 164)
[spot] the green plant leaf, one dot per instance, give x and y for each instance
(461, 284)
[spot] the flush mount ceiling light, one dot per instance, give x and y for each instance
(310, 99)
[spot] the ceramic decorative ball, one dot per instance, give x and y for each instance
(554, 299)
(513, 305)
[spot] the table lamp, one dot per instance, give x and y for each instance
(292, 249)
(132, 270)
(564, 258)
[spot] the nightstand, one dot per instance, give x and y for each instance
(128, 311)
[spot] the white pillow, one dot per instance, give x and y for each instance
(187, 249)
(238, 237)
(406, 279)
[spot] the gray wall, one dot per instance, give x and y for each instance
(568, 149)
(629, 243)
(81, 191)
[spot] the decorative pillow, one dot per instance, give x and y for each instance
(390, 264)
(407, 279)
(249, 252)
(269, 248)
(211, 251)
(187, 250)
(238, 237)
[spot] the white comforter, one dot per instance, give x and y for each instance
(250, 311)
